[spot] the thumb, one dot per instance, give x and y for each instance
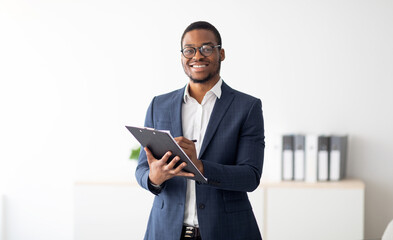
(149, 155)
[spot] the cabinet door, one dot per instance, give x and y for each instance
(2, 218)
(257, 202)
(110, 211)
(314, 213)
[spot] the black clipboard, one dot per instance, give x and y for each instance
(159, 142)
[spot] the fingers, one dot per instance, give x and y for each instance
(187, 145)
(185, 174)
(179, 168)
(161, 170)
(173, 162)
(178, 171)
(165, 158)
(151, 158)
(149, 155)
(184, 142)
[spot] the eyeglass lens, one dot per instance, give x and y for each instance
(205, 50)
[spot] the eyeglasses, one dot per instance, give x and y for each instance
(205, 50)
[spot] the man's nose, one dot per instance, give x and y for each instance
(198, 55)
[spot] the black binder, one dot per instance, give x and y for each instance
(159, 142)
(299, 160)
(338, 157)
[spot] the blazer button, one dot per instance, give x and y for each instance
(201, 206)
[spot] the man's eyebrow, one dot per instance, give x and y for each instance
(205, 43)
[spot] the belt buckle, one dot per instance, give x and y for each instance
(189, 232)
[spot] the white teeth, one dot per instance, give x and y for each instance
(199, 66)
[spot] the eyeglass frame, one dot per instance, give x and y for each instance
(199, 49)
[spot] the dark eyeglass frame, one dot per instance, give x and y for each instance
(200, 50)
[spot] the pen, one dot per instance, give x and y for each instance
(194, 140)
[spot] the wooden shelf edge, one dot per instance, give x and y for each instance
(105, 183)
(346, 183)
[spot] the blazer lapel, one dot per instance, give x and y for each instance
(219, 110)
(175, 108)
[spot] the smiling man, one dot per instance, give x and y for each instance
(222, 132)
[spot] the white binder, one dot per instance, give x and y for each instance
(287, 157)
(323, 158)
(311, 158)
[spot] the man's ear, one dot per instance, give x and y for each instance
(222, 54)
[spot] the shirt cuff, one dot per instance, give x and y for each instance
(154, 186)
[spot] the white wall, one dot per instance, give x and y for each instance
(73, 73)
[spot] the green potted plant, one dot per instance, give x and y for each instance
(135, 153)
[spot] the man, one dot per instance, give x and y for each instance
(221, 130)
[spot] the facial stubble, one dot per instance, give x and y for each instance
(208, 77)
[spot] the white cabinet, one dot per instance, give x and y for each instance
(324, 210)
(285, 210)
(111, 211)
(2, 217)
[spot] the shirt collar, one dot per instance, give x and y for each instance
(216, 90)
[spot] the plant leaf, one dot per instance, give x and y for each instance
(135, 153)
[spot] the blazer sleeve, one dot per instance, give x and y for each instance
(142, 170)
(246, 173)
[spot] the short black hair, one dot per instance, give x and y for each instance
(202, 25)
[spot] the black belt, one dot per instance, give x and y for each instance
(190, 233)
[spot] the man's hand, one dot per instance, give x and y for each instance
(160, 170)
(188, 147)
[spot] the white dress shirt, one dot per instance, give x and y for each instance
(195, 118)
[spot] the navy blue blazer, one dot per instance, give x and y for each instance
(232, 154)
